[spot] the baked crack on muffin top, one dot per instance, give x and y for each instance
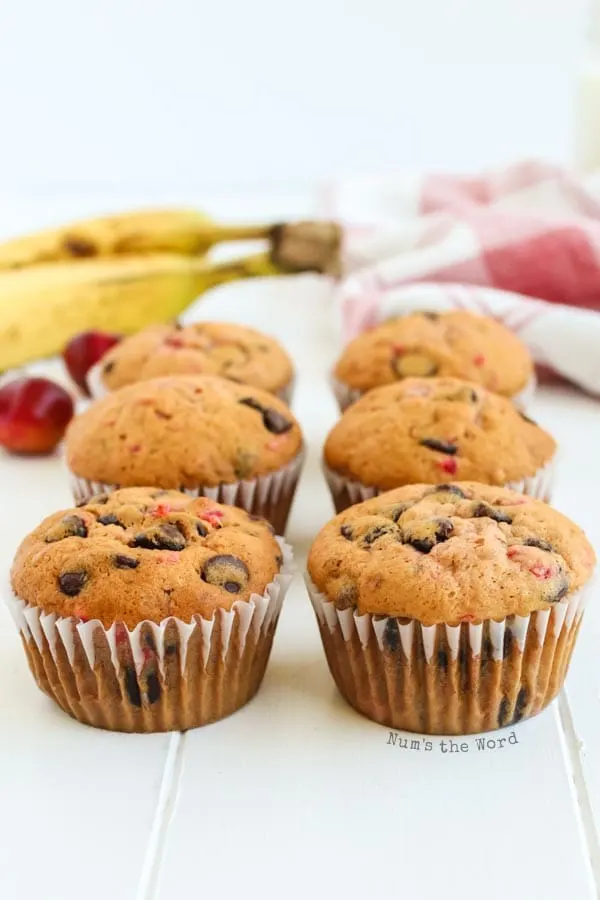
(450, 553)
(139, 553)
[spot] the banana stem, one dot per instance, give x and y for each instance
(221, 233)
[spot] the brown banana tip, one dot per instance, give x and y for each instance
(311, 246)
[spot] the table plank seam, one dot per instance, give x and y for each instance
(167, 794)
(587, 819)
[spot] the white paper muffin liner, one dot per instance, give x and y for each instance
(167, 677)
(269, 496)
(346, 396)
(346, 492)
(449, 679)
(98, 390)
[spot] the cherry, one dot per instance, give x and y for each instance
(83, 351)
(34, 414)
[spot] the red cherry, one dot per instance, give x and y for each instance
(449, 465)
(83, 351)
(34, 414)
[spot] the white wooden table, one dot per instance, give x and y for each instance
(296, 795)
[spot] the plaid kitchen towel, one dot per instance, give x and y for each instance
(522, 245)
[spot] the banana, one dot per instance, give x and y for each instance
(43, 306)
(151, 231)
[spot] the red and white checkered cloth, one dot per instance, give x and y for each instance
(522, 245)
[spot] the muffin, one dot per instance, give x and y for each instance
(204, 348)
(449, 609)
(201, 434)
(148, 610)
(430, 430)
(423, 344)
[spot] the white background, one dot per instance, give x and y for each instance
(234, 93)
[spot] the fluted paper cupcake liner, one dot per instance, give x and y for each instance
(269, 496)
(346, 396)
(346, 492)
(449, 679)
(167, 677)
(98, 390)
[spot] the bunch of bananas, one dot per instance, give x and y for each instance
(127, 271)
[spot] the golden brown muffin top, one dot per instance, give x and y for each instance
(457, 343)
(182, 431)
(204, 348)
(427, 429)
(450, 553)
(142, 554)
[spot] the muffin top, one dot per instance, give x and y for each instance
(145, 554)
(450, 553)
(457, 343)
(426, 429)
(182, 431)
(204, 348)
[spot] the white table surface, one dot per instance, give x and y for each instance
(297, 795)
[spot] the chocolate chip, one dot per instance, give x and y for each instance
(346, 532)
(70, 526)
(442, 660)
(227, 572)
(201, 529)
(432, 316)
(125, 562)
(347, 596)
(132, 687)
(252, 403)
(71, 583)
(161, 537)
(561, 591)
(439, 446)
(272, 420)
(110, 519)
(391, 635)
(397, 511)
(153, 688)
(485, 511)
(108, 367)
(447, 489)
(98, 499)
(537, 542)
(527, 418)
(170, 649)
(406, 365)
(379, 531)
(503, 711)
(425, 535)
(522, 701)
(275, 422)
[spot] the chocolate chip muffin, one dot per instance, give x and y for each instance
(148, 610)
(457, 343)
(430, 430)
(203, 434)
(449, 609)
(204, 348)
